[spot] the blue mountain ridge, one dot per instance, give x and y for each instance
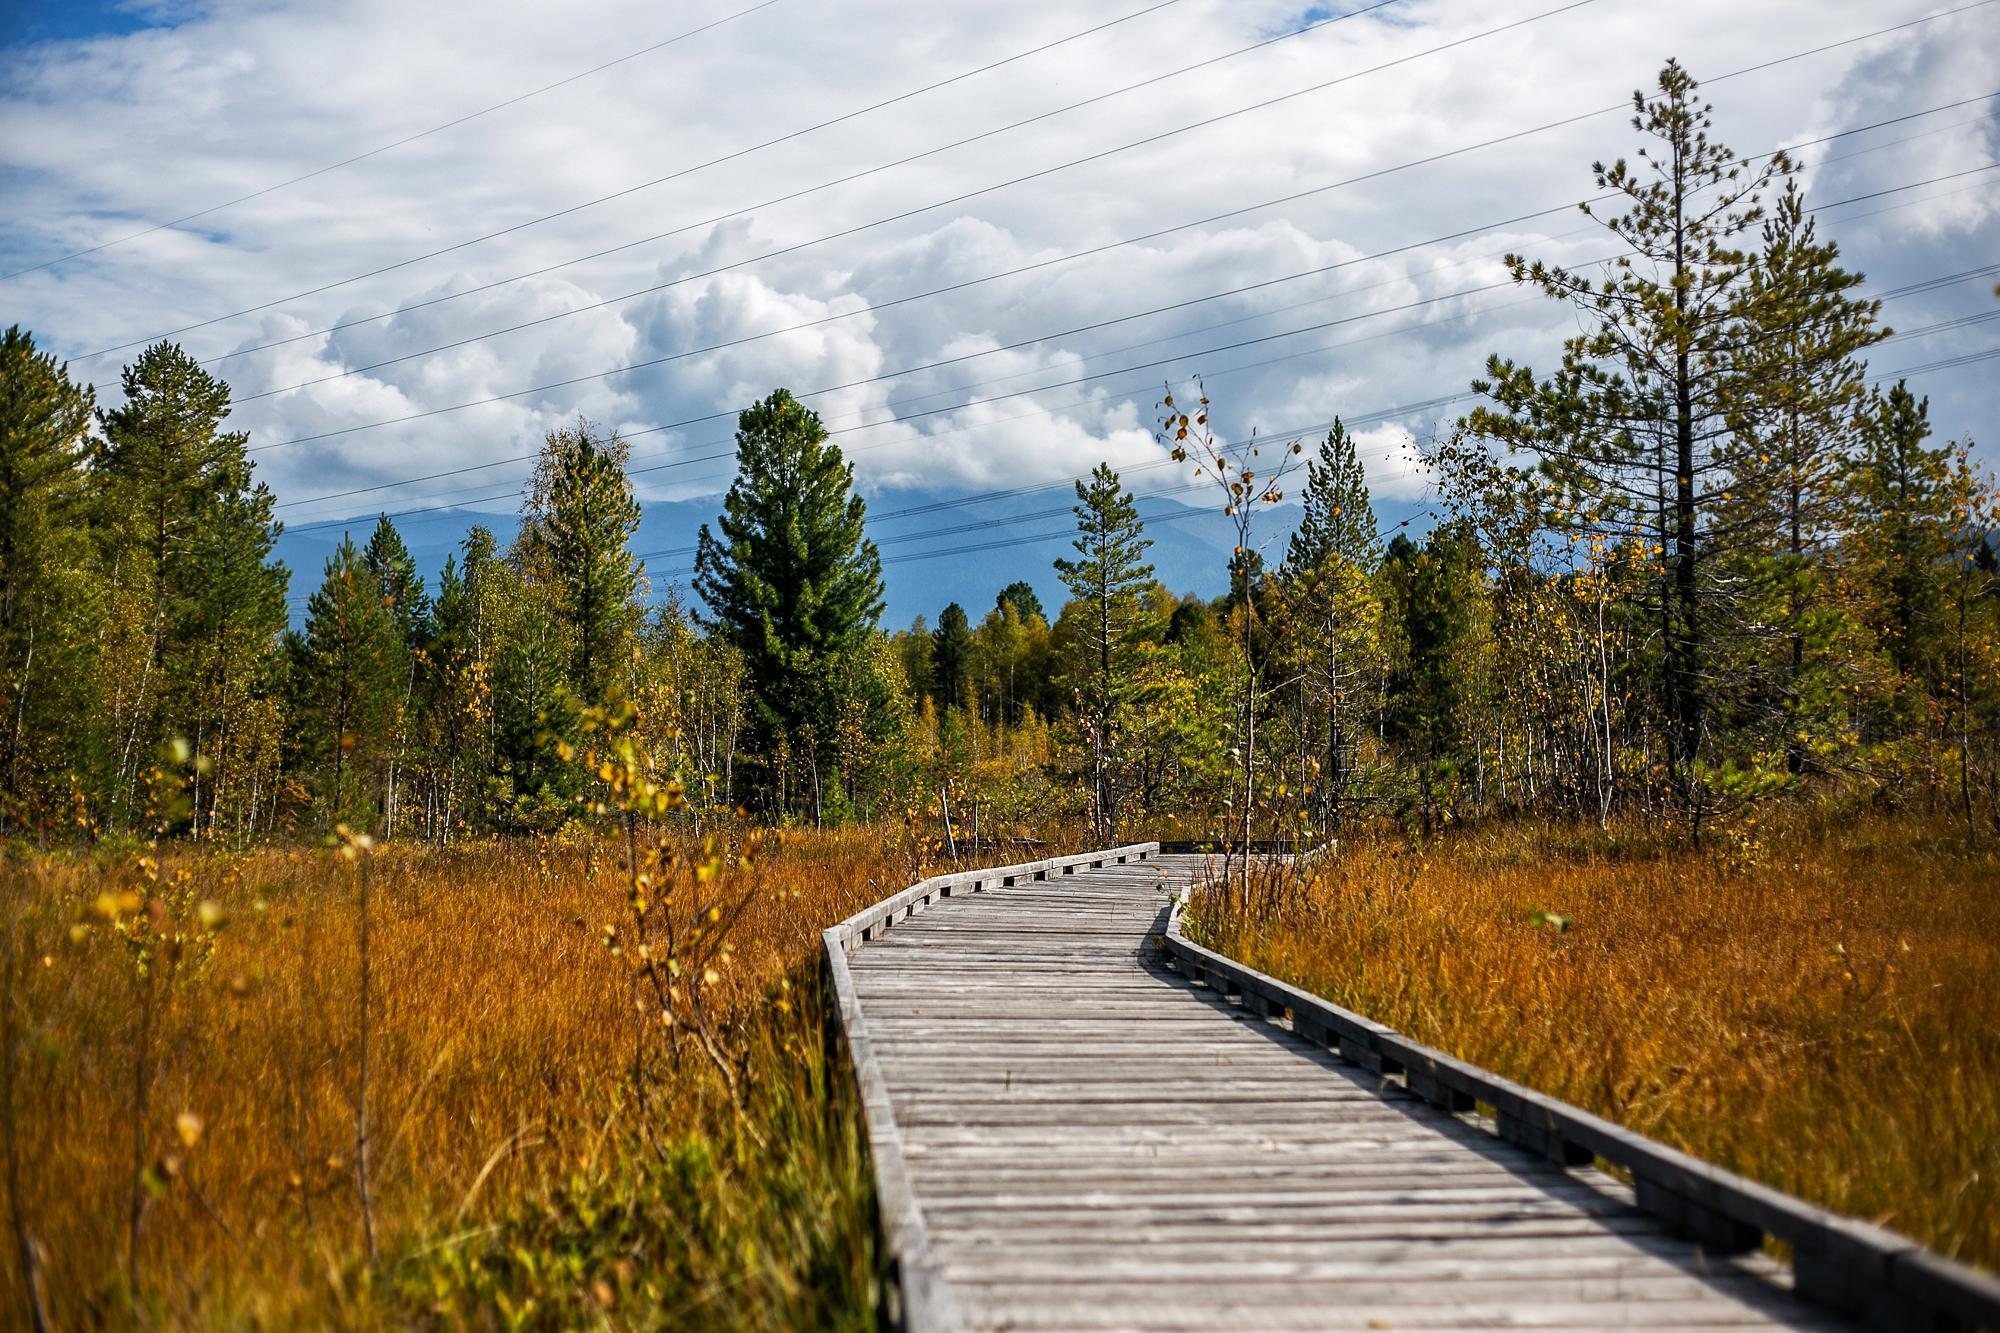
(937, 547)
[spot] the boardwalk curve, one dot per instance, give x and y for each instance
(1067, 1134)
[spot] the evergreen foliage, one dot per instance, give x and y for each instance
(1633, 425)
(48, 600)
(1020, 595)
(346, 678)
(195, 599)
(1105, 580)
(951, 656)
(794, 585)
(1697, 563)
(579, 515)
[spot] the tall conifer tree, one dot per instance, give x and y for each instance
(345, 686)
(790, 578)
(579, 517)
(189, 534)
(1634, 424)
(951, 656)
(1105, 581)
(1426, 688)
(404, 601)
(46, 638)
(1334, 618)
(1792, 447)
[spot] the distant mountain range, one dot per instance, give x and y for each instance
(936, 547)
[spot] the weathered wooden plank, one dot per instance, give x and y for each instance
(1093, 1141)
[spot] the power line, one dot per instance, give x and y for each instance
(1060, 534)
(659, 180)
(724, 451)
(1358, 420)
(515, 100)
(959, 198)
(1619, 106)
(959, 406)
(475, 290)
(1037, 265)
(1234, 291)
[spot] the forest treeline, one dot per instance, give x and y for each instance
(1702, 560)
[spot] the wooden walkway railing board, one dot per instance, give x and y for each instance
(1067, 1135)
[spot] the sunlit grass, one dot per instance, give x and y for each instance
(1818, 1013)
(519, 1171)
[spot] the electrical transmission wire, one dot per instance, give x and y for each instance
(962, 549)
(1233, 291)
(1619, 106)
(653, 362)
(467, 118)
(1067, 382)
(903, 300)
(731, 156)
(463, 292)
(723, 449)
(1002, 521)
(981, 191)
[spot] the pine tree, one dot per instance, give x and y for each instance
(1903, 535)
(534, 697)
(1337, 519)
(1105, 581)
(46, 639)
(454, 698)
(951, 656)
(579, 515)
(1020, 595)
(188, 536)
(1331, 608)
(401, 589)
(1793, 446)
(793, 583)
(345, 687)
(1633, 426)
(389, 560)
(1426, 687)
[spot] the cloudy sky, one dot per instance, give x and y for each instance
(387, 352)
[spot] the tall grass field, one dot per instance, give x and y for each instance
(1811, 1004)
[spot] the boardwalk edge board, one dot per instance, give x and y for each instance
(1838, 1262)
(916, 1296)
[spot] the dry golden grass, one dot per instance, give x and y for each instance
(1822, 1017)
(507, 1138)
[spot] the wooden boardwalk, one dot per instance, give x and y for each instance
(1091, 1142)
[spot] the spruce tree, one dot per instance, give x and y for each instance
(47, 639)
(579, 516)
(454, 697)
(1903, 534)
(1020, 595)
(1792, 448)
(951, 656)
(1334, 615)
(344, 688)
(389, 560)
(1105, 582)
(1337, 518)
(1426, 688)
(404, 601)
(188, 535)
(790, 578)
